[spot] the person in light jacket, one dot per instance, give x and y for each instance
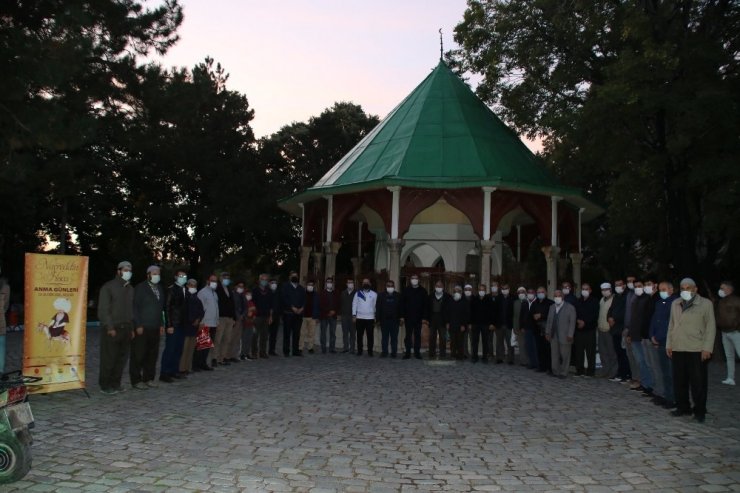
(559, 330)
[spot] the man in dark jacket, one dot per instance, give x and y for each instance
(292, 301)
(191, 325)
(658, 334)
(264, 303)
(584, 341)
(274, 326)
(177, 316)
(436, 313)
(616, 315)
(150, 321)
(115, 312)
(529, 327)
(540, 311)
(388, 313)
(348, 325)
(329, 304)
(457, 321)
(413, 311)
(481, 321)
(642, 311)
(226, 322)
(505, 323)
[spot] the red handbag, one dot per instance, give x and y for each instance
(203, 339)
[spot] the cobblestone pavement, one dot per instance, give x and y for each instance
(326, 423)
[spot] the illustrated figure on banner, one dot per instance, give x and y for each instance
(56, 330)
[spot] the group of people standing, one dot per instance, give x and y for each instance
(648, 336)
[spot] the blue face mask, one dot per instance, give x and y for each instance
(664, 295)
(226, 282)
(540, 296)
(263, 283)
(181, 280)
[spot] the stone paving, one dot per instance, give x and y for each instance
(343, 423)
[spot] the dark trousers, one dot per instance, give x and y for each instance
(389, 334)
(690, 373)
(144, 352)
(531, 344)
(249, 336)
(291, 333)
(437, 330)
(172, 352)
(413, 337)
(273, 333)
(503, 344)
(113, 352)
(544, 356)
(584, 342)
(262, 335)
(457, 343)
(623, 363)
(328, 325)
(478, 332)
(363, 326)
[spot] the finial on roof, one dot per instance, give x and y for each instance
(441, 45)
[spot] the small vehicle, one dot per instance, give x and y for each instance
(16, 420)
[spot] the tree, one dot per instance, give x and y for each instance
(638, 103)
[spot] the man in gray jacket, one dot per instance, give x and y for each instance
(149, 322)
(559, 330)
(348, 326)
(115, 312)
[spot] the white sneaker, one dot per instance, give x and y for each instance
(728, 381)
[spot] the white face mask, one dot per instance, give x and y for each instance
(558, 300)
(630, 285)
(390, 290)
(438, 290)
(639, 291)
(494, 289)
(155, 278)
(213, 285)
(350, 287)
(192, 290)
(249, 297)
(687, 295)
(721, 293)
(240, 290)
(481, 293)
(126, 275)
(619, 289)
(414, 282)
(457, 296)
(505, 292)
(468, 293)
(664, 295)
(530, 296)
(566, 291)
(585, 293)
(649, 289)
(522, 296)
(273, 286)
(309, 289)
(329, 286)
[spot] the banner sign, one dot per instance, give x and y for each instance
(55, 319)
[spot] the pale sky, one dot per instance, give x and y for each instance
(295, 58)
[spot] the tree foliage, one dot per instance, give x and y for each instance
(638, 103)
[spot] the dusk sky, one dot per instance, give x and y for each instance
(294, 58)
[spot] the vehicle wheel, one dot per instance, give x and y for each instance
(15, 457)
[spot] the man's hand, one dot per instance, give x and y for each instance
(170, 330)
(569, 339)
(425, 322)
(354, 319)
(462, 328)
(628, 340)
(269, 320)
(611, 321)
(112, 332)
(139, 331)
(401, 322)
(332, 313)
(537, 316)
(581, 324)
(547, 338)
(669, 352)
(491, 327)
(655, 341)
(705, 355)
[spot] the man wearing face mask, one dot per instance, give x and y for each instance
(559, 330)
(491, 334)
(293, 302)
(584, 340)
(568, 295)
(628, 310)
(274, 325)
(505, 320)
(529, 326)
(388, 313)
(192, 323)
(521, 297)
(329, 305)
(413, 315)
(658, 334)
(116, 315)
(226, 321)
(467, 296)
(607, 354)
(457, 321)
(150, 321)
(615, 318)
(348, 325)
(690, 341)
(541, 309)
(177, 316)
(436, 312)
(642, 312)
(209, 299)
(310, 317)
(650, 289)
(481, 314)
(363, 314)
(264, 303)
(728, 321)
(234, 345)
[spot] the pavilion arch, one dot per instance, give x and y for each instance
(425, 255)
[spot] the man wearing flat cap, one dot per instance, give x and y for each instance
(689, 344)
(115, 312)
(149, 322)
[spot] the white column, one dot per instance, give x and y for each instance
(487, 212)
(396, 191)
(329, 216)
(554, 231)
(580, 213)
